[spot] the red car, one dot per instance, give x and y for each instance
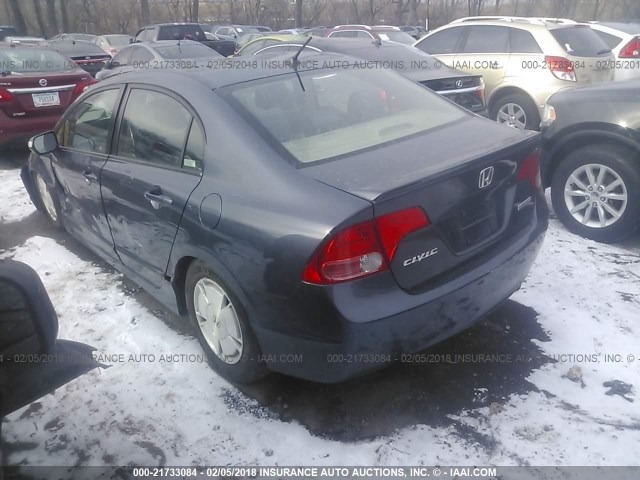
(375, 32)
(37, 84)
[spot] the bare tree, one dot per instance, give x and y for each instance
(18, 18)
(39, 18)
(145, 14)
(298, 14)
(52, 18)
(64, 15)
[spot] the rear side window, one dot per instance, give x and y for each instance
(523, 42)
(611, 40)
(580, 41)
(442, 42)
(194, 153)
(487, 39)
(87, 126)
(154, 128)
(123, 57)
(141, 54)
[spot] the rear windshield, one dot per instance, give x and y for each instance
(69, 47)
(339, 112)
(181, 32)
(186, 51)
(24, 60)
(580, 41)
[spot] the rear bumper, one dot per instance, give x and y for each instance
(367, 345)
(18, 132)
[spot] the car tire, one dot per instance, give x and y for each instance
(49, 204)
(613, 210)
(516, 110)
(230, 344)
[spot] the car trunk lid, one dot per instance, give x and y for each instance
(586, 52)
(470, 190)
(37, 94)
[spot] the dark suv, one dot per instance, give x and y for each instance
(183, 31)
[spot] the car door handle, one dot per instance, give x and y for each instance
(156, 197)
(88, 175)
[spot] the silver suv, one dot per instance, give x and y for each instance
(523, 61)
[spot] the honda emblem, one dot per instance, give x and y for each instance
(486, 177)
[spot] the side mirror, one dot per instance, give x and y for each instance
(44, 143)
(108, 65)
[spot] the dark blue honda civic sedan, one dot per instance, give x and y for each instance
(311, 218)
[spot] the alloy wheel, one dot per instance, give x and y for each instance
(595, 195)
(218, 320)
(512, 115)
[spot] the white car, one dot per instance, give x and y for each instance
(624, 41)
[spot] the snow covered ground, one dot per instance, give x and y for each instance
(574, 326)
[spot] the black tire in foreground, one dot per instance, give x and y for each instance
(595, 192)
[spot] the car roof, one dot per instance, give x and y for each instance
(630, 28)
(515, 24)
(217, 78)
(71, 46)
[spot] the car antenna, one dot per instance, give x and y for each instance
(295, 62)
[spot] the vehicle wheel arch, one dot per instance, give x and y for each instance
(504, 91)
(178, 279)
(587, 135)
(44, 168)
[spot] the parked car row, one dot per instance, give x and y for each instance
(505, 67)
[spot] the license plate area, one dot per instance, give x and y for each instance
(472, 226)
(49, 99)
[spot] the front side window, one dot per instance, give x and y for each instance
(339, 112)
(441, 43)
(154, 128)
(88, 125)
(487, 39)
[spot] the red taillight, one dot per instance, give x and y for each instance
(395, 226)
(530, 170)
(5, 96)
(83, 85)
(561, 68)
(359, 250)
(631, 49)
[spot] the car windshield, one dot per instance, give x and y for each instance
(186, 51)
(119, 40)
(580, 41)
(397, 36)
(339, 112)
(26, 60)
